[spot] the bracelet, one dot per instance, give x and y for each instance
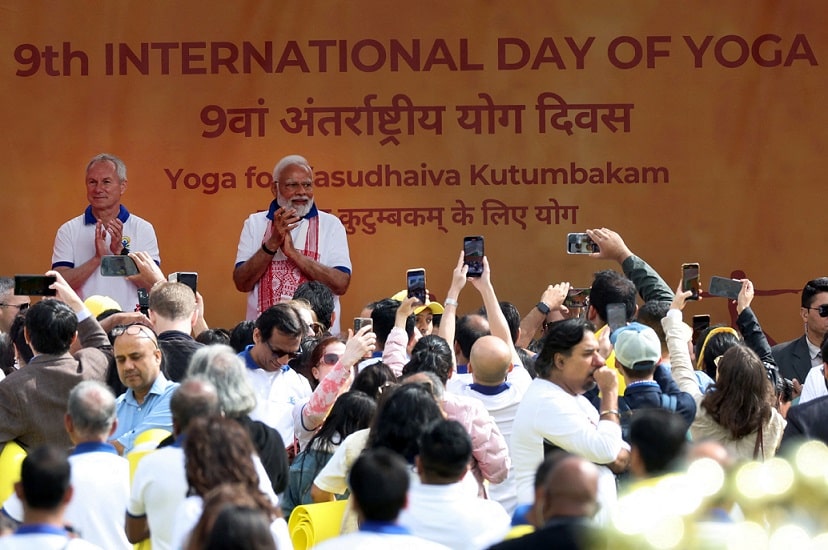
(450, 302)
(609, 412)
(267, 251)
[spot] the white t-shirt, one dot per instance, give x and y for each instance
(75, 245)
(276, 395)
(378, 541)
(570, 422)
(503, 408)
(814, 385)
(189, 511)
(332, 249)
(448, 515)
(100, 482)
(44, 541)
(159, 486)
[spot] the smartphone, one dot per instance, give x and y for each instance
(143, 301)
(616, 316)
(34, 285)
(415, 282)
(473, 255)
(690, 279)
(577, 297)
(727, 288)
(580, 243)
(118, 266)
(189, 278)
(360, 322)
(700, 324)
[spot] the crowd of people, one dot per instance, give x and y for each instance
(440, 429)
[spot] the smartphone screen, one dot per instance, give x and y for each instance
(580, 243)
(473, 255)
(360, 322)
(690, 279)
(143, 301)
(416, 284)
(616, 316)
(577, 297)
(118, 266)
(33, 285)
(188, 278)
(722, 286)
(700, 324)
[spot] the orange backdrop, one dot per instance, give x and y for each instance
(694, 129)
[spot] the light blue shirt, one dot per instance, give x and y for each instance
(154, 412)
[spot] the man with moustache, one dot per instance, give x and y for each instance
(554, 414)
(105, 228)
(292, 242)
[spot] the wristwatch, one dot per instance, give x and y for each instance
(543, 308)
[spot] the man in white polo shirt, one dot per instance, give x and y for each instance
(292, 242)
(105, 228)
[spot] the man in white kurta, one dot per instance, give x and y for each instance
(292, 242)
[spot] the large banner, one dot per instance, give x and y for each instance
(694, 129)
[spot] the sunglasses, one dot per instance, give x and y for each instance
(135, 329)
(822, 310)
(282, 353)
(331, 359)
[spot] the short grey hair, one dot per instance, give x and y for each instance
(225, 369)
(120, 167)
(91, 406)
(290, 160)
(6, 284)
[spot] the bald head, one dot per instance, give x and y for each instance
(570, 489)
(195, 397)
(490, 360)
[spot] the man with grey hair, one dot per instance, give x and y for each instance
(100, 478)
(106, 227)
(292, 242)
(225, 369)
(10, 305)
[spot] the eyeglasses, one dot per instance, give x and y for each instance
(278, 353)
(822, 310)
(20, 307)
(135, 329)
(317, 328)
(290, 185)
(331, 359)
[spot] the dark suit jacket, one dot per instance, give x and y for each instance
(793, 358)
(33, 399)
(807, 421)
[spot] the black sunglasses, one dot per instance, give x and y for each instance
(822, 310)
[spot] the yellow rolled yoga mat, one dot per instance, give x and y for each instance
(10, 460)
(310, 524)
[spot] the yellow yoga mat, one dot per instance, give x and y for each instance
(10, 460)
(310, 524)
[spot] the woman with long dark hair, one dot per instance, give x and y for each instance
(738, 410)
(352, 411)
(218, 450)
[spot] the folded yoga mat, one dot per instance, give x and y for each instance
(310, 524)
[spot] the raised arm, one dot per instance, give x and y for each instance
(678, 335)
(552, 298)
(449, 320)
(651, 287)
(497, 321)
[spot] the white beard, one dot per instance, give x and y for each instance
(301, 210)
